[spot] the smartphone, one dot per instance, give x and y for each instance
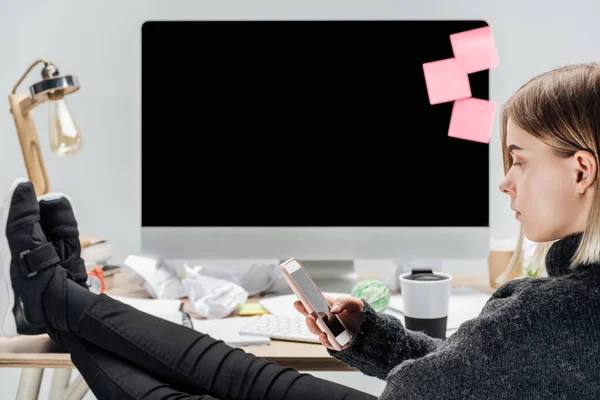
(315, 303)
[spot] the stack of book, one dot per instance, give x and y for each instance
(95, 251)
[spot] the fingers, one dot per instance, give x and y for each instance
(343, 303)
(312, 325)
(314, 328)
(325, 342)
(329, 299)
(300, 307)
(310, 320)
(347, 303)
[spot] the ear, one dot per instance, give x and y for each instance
(586, 168)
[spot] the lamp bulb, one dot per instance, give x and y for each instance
(65, 136)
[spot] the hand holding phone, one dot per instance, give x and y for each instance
(349, 311)
(316, 305)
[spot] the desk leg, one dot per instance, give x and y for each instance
(60, 382)
(29, 384)
(77, 390)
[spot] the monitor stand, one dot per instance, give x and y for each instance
(332, 276)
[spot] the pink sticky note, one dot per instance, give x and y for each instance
(446, 81)
(472, 119)
(475, 49)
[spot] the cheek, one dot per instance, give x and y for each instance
(548, 196)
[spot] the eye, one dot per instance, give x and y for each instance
(517, 164)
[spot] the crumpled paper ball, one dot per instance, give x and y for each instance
(374, 292)
(212, 298)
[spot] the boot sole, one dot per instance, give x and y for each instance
(55, 196)
(8, 324)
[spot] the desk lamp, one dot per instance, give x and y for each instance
(65, 137)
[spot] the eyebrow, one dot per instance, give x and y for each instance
(513, 147)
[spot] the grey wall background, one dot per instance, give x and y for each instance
(100, 42)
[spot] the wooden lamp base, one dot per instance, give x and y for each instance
(30, 144)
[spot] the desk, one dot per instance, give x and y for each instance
(35, 353)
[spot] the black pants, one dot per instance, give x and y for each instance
(123, 353)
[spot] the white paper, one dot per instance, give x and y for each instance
(167, 309)
(150, 306)
(284, 304)
(228, 329)
(160, 281)
(465, 304)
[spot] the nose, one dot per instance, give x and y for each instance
(506, 187)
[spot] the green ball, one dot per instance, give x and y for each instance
(374, 292)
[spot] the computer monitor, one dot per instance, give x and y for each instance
(312, 139)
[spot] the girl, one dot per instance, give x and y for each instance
(536, 338)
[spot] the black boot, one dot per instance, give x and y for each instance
(60, 226)
(27, 264)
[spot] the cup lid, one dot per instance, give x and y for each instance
(424, 274)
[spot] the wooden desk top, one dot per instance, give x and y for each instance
(41, 352)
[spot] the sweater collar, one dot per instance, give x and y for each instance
(559, 256)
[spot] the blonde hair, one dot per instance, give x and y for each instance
(561, 108)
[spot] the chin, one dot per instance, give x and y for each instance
(539, 236)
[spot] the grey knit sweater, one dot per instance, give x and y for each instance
(536, 338)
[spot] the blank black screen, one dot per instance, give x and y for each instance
(304, 123)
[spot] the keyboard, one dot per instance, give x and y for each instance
(282, 327)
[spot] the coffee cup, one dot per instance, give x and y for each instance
(426, 299)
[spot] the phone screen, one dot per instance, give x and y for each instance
(318, 302)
